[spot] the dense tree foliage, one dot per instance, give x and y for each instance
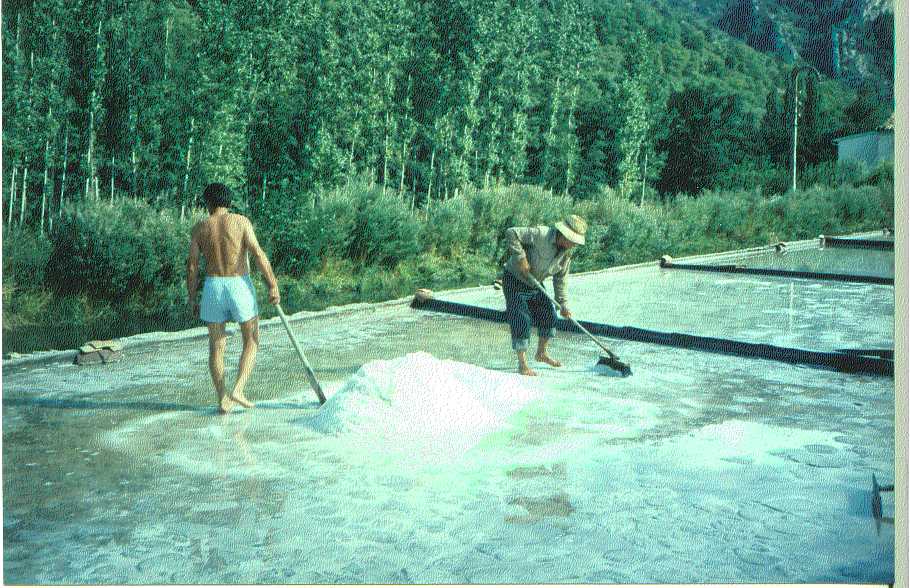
(286, 99)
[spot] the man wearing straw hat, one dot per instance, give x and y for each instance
(540, 252)
(226, 240)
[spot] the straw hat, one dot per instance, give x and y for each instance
(573, 229)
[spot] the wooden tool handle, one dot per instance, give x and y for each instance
(311, 377)
(540, 287)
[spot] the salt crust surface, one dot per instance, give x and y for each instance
(411, 411)
(424, 403)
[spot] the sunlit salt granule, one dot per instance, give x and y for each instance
(428, 405)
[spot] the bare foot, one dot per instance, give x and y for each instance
(242, 401)
(548, 360)
(526, 371)
(225, 405)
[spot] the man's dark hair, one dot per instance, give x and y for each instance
(217, 194)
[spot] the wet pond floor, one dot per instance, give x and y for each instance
(448, 467)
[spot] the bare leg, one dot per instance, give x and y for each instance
(523, 368)
(217, 343)
(250, 332)
(542, 353)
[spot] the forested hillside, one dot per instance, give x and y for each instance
(153, 99)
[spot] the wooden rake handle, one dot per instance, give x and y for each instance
(310, 376)
(540, 287)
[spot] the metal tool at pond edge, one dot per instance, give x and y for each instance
(877, 490)
(310, 376)
(610, 360)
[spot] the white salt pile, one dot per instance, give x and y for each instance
(423, 404)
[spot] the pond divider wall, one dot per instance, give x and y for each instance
(734, 269)
(843, 362)
(846, 242)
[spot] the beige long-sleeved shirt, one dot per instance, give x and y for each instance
(538, 245)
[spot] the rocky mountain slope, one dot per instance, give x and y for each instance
(851, 40)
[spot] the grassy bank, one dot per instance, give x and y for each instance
(115, 270)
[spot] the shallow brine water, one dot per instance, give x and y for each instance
(433, 462)
(832, 260)
(790, 312)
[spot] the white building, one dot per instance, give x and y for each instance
(870, 147)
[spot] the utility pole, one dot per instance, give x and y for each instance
(794, 78)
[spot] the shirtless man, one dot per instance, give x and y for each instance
(225, 240)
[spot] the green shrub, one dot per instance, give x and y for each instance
(818, 210)
(110, 251)
(312, 235)
(885, 200)
(645, 238)
(81, 311)
(881, 175)
(116, 270)
(865, 207)
(831, 174)
(752, 173)
(447, 230)
(538, 206)
(166, 306)
(376, 284)
(476, 270)
(689, 228)
(25, 256)
(432, 271)
(496, 209)
(334, 285)
(25, 307)
(492, 212)
(39, 319)
(385, 230)
(622, 232)
(718, 221)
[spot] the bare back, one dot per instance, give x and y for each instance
(222, 241)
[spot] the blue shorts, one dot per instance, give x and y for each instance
(228, 298)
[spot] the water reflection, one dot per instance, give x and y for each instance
(148, 406)
(231, 442)
(107, 405)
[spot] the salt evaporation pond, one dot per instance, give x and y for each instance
(433, 462)
(791, 312)
(836, 260)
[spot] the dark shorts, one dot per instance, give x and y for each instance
(526, 305)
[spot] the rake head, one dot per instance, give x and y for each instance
(613, 363)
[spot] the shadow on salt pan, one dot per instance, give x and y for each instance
(422, 407)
